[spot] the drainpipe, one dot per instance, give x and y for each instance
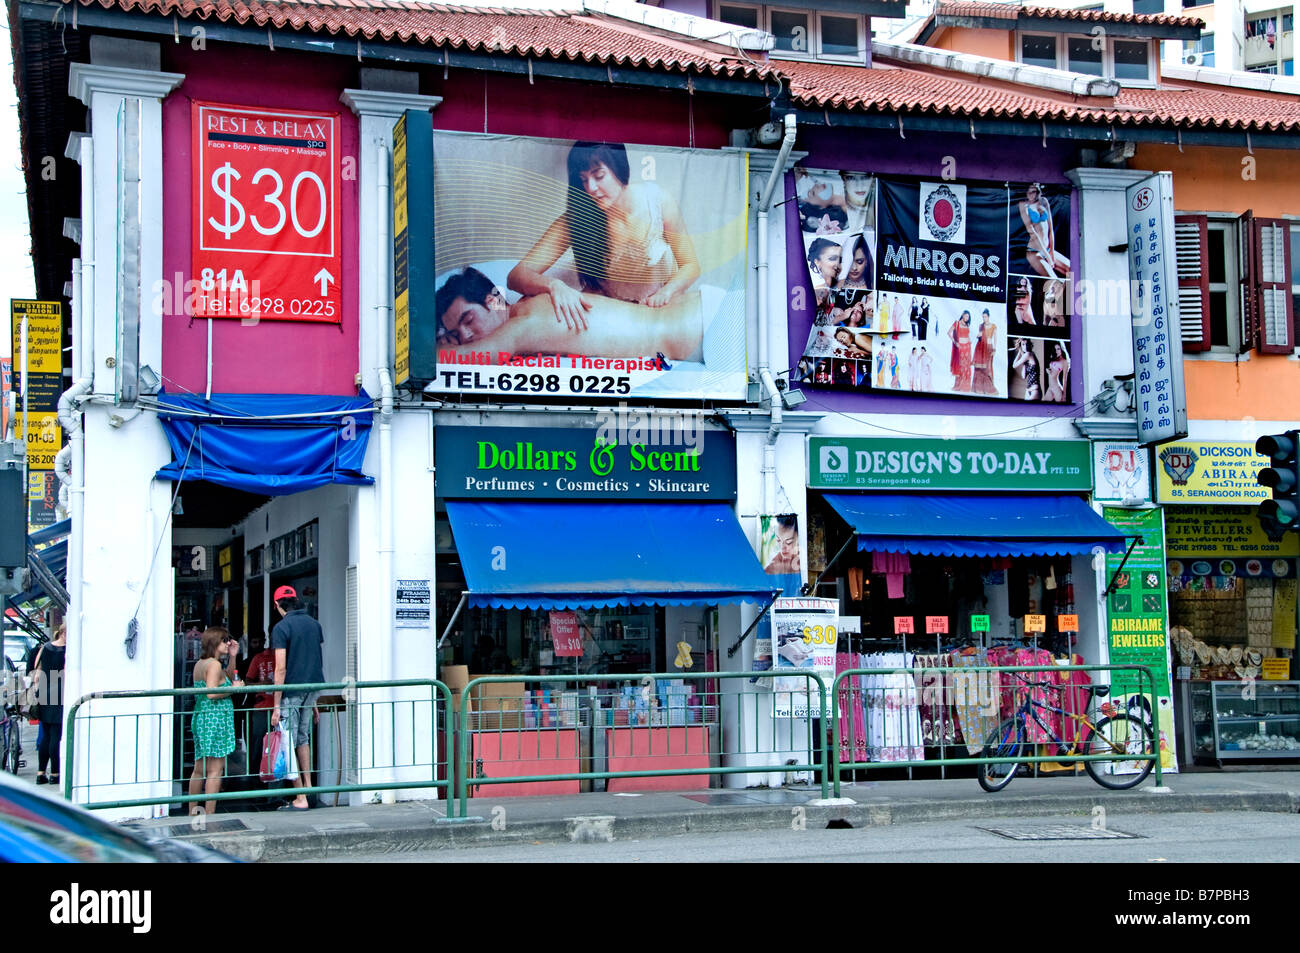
(383, 316)
(70, 416)
(775, 407)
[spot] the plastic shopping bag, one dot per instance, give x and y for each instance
(278, 762)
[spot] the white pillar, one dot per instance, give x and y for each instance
(382, 651)
(125, 545)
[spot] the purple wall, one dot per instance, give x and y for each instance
(988, 158)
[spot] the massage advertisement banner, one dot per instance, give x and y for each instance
(804, 635)
(267, 242)
(564, 268)
(1138, 626)
(936, 287)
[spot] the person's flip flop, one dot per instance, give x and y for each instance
(293, 807)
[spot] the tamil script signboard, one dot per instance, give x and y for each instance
(864, 463)
(1210, 471)
(1157, 336)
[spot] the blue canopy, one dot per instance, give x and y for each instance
(994, 525)
(270, 444)
(558, 555)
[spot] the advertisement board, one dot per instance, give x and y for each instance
(267, 230)
(1210, 471)
(1121, 472)
(1138, 626)
(43, 378)
(1159, 394)
(936, 287)
(1219, 533)
(804, 636)
(867, 463)
(543, 463)
(569, 268)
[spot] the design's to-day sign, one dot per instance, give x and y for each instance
(1136, 619)
(43, 377)
(1159, 394)
(1120, 472)
(267, 224)
(1210, 471)
(865, 463)
(935, 287)
(1215, 533)
(565, 464)
(567, 269)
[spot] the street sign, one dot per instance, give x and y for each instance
(267, 228)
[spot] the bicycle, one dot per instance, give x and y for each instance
(11, 744)
(1117, 733)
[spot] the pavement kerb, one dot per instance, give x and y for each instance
(427, 834)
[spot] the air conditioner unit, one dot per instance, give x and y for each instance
(1192, 59)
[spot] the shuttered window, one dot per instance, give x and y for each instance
(1271, 283)
(1191, 252)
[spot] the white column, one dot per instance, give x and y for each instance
(382, 651)
(125, 545)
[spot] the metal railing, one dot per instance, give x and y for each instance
(562, 738)
(989, 700)
(149, 747)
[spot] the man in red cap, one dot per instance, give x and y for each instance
(297, 641)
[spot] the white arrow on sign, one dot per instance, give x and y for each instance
(324, 279)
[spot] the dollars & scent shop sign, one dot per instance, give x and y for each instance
(863, 463)
(623, 463)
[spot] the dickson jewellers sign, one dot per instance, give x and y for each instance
(620, 463)
(863, 463)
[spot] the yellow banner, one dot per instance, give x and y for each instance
(1210, 471)
(1223, 531)
(43, 438)
(44, 335)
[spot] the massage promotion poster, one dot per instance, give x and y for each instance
(593, 269)
(936, 287)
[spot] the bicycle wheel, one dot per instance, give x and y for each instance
(9, 753)
(1125, 733)
(1004, 741)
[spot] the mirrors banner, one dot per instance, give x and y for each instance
(936, 287)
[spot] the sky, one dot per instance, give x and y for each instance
(16, 279)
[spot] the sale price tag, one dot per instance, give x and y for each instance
(1035, 623)
(565, 635)
(1067, 623)
(267, 228)
(935, 624)
(979, 623)
(904, 624)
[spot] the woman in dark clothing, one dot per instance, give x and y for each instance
(49, 696)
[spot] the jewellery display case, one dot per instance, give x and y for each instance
(1238, 721)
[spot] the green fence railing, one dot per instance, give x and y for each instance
(501, 726)
(989, 695)
(407, 736)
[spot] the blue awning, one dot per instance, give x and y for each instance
(270, 444)
(994, 525)
(557, 555)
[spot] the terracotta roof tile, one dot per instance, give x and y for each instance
(1011, 11)
(937, 92)
(569, 35)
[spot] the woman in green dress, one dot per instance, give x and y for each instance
(214, 714)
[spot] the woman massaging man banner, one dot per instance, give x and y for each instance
(936, 287)
(599, 269)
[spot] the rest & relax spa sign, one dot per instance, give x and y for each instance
(862, 463)
(567, 463)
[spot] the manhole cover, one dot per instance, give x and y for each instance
(1058, 832)
(185, 828)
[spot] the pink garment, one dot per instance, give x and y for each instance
(894, 566)
(1074, 698)
(1033, 731)
(853, 713)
